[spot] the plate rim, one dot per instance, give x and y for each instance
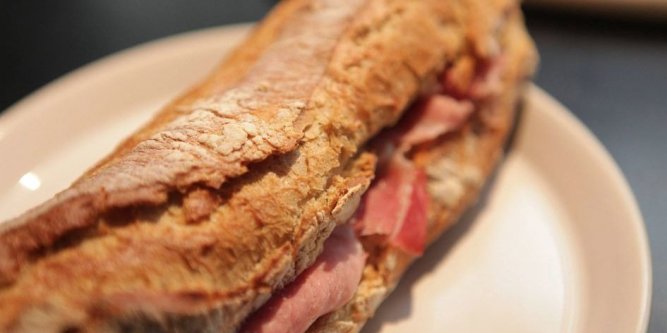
(619, 182)
(616, 177)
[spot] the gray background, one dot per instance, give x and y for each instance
(611, 72)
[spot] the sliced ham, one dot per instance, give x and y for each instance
(388, 198)
(411, 234)
(396, 204)
(437, 115)
(325, 286)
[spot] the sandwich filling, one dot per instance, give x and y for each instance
(325, 286)
(395, 206)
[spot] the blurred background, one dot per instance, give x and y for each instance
(606, 60)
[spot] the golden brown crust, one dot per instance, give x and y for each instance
(460, 162)
(272, 137)
(213, 140)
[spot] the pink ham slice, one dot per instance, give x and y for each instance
(411, 234)
(396, 204)
(325, 286)
(437, 115)
(388, 199)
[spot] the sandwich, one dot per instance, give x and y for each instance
(290, 189)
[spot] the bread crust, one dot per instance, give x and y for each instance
(466, 158)
(231, 190)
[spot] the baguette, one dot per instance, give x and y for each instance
(463, 160)
(229, 193)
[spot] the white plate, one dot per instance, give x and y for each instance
(557, 245)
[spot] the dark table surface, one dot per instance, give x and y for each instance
(611, 72)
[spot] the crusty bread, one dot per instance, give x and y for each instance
(460, 162)
(230, 191)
